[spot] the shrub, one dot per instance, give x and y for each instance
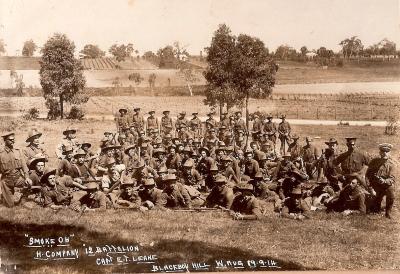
(392, 126)
(76, 113)
(31, 114)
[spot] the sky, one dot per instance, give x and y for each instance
(152, 24)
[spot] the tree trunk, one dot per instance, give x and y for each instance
(220, 110)
(247, 110)
(61, 106)
(190, 89)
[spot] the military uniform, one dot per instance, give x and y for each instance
(154, 195)
(284, 130)
(220, 196)
(56, 195)
(248, 205)
(166, 121)
(177, 196)
(13, 171)
(270, 127)
(380, 175)
(98, 201)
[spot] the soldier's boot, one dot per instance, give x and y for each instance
(389, 202)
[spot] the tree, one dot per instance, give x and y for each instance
(285, 52)
(61, 74)
(180, 51)
(253, 70)
(92, 51)
(29, 48)
(218, 74)
(189, 75)
(120, 52)
(387, 47)
(2, 47)
(303, 50)
(167, 58)
(136, 77)
(351, 47)
(238, 67)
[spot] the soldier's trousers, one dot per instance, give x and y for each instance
(380, 193)
(7, 189)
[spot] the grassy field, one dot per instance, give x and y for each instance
(102, 73)
(327, 241)
(323, 107)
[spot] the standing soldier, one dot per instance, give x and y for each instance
(270, 129)
(195, 125)
(310, 155)
(211, 120)
(224, 121)
(295, 148)
(284, 133)
(166, 121)
(34, 147)
(152, 123)
(181, 120)
(240, 124)
(122, 121)
(138, 119)
(257, 124)
(13, 170)
(352, 161)
(380, 175)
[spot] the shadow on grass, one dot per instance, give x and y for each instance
(16, 257)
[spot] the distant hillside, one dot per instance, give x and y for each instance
(32, 63)
(19, 63)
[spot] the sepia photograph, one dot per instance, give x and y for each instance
(175, 136)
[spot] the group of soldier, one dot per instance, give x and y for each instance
(187, 164)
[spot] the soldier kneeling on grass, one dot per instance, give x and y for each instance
(245, 206)
(294, 207)
(93, 200)
(54, 194)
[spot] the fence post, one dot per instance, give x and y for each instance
(297, 113)
(371, 113)
(317, 113)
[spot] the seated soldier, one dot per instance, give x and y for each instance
(65, 164)
(79, 170)
(54, 194)
(176, 194)
(210, 178)
(93, 200)
(128, 197)
(228, 172)
(152, 197)
(352, 199)
(205, 161)
(263, 190)
(90, 156)
(245, 206)
(191, 177)
(221, 195)
(141, 172)
(130, 158)
(36, 167)
(294, 206)
(251, 166)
